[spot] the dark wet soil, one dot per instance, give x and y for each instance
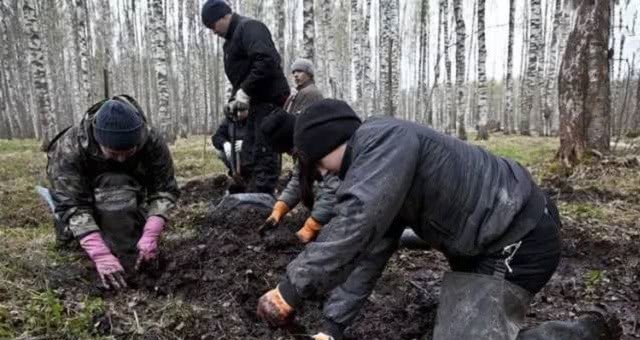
(228, 265)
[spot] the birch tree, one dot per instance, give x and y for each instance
(533, 56)
(38, 62)
(483, 132)
(158, 23)
(584, 84)
(389, 55)
(460, 55)
(507, 119)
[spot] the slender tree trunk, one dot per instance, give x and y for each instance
(550, 96)
(423, 65)
(483, 132)
(356, 60)
(160, 62)
(308, 31)
(47, 118)
(460, 55)
(447, 67)
(389, 47)
(533, 55)
(366, 62)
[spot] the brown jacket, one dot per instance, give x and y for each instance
(306, 95)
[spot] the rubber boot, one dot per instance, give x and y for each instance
(597, 324)
(477, 306)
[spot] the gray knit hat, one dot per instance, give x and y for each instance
(117, 125)
(304, 65)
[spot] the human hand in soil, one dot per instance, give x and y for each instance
(148, 243)
(108, 267)
(274, 310)
(322, 336)
(309, 230)
(279, 210)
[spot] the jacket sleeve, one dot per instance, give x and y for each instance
(69, 188)
(325, 199)
(263, 56)
(370, 197)
(291, 193)
(161, 185)
(221, 135)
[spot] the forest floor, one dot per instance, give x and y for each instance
(213, 268)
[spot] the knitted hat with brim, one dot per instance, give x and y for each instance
(117, 125)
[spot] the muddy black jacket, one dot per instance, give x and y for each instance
(252, 62)
(75, 161)
(458, 197)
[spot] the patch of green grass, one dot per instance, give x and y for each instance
(582, 210)
(529, 151)
(195, 157)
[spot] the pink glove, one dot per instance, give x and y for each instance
(107, 265)
(148, 243)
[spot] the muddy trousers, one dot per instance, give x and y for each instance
(490, 295)
(120, 214)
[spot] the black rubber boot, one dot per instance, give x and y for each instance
(598, 323)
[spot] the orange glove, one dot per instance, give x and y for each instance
(309, 230)
(273, 309)
(279, 210)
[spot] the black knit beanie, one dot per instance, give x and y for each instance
(278, 130)
(117, 125)
(323, 126)
(214, 10)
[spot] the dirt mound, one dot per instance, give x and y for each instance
(229, 266)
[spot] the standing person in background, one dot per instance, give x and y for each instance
(306, 92)
(253, 66)
(278, 130)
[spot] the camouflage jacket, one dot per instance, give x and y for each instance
(75, 160)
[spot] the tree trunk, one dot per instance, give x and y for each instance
(158, 20)
(551, 74)
(447, 67)
(47, 118)
(308, 31)
(460, 55)
(356, 60)
(389, 47)
(533, 56)
(584, 86)
(366, 62)
(483, 132)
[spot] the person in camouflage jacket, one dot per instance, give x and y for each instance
(113, 186)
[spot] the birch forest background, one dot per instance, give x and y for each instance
(518, 66)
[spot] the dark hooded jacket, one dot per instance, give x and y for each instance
(75, 161)
(458, 197)
(252, 62)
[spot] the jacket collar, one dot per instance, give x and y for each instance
(235, 20)
(307, 84)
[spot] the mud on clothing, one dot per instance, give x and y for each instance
(458, 197)
(79, 174)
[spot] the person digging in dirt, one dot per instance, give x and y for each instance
(485, 213)
(113, 185)
(253, 66)
(278, 130)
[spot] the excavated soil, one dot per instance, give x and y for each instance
(226, 266)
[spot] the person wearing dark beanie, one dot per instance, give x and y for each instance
(323, 126)
(254, 69)
(117, 125)
(484, 212)
(113, 187)
(278, 129)
(212, 11)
